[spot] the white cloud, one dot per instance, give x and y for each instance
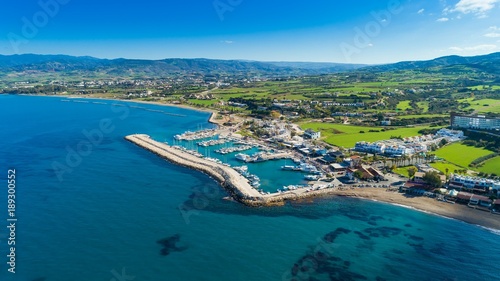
(421, 11)
(227, 42)
(493, 32)
(443, 19)
(478, 48)
(476, 7)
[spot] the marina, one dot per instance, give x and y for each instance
(242, 185)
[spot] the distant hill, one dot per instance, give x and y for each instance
(89, 66)
(487, 63)
(30, 66)
(320, 66)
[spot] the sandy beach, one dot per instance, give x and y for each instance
(425, 204)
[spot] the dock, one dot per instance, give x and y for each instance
(237, 185)
(226, 176)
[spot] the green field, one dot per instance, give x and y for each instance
(404, 105)
(460, 154)
(348, 135)
(441, 166)
(491, 166)
(484, 87)
(483, 105)
(424, 105)
(403, 171)
(422, 116)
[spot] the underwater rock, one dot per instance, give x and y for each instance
(331, 236)
(170, 245)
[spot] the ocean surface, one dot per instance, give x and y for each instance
(91, 206)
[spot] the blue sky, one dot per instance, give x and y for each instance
(364, 31)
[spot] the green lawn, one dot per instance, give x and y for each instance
(404, 171)
(484, 105)
(404, 105)
(491, 166)
(441, 166)
(460, 154)
(348, 135)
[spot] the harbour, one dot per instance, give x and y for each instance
(242, 185)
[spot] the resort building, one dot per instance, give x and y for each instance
(473, 183)
(409, 145)
(479, 122)
(311, 134)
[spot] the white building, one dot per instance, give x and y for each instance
(309, 133)
(475, 122)
(474, 182)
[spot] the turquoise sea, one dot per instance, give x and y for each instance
(91, 206)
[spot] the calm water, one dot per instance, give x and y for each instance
(101, 216)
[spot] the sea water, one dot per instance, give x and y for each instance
(92, 206)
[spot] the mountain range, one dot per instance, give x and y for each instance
(31, 64)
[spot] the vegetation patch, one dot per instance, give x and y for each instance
(461, 154)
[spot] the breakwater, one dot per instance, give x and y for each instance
(237, 185)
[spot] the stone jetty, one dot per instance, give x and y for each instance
(237, 185)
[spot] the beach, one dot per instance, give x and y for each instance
(426, 204)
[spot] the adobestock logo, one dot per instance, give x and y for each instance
(31, 26)
(372, 29)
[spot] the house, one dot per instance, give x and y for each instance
(367, 173)
(311, 134)
(473, 199)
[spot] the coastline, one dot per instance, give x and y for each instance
(423, 204)
(212, 118)
(427, 205)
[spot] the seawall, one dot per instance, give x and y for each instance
(237, 185)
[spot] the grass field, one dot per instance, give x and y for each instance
(422, 116)
(483, 105)
(404, 105)
(441, 166)
(461, 155)
(348, 135)
(404, 171)
(424, 105)
(491, 166)
(483, 87)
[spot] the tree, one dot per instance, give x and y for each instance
(358, 174)
(411, 171)
(433, 179)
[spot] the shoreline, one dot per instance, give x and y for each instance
(427, 205)
(211, 119)
(458, 212)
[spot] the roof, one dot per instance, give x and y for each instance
(419, 174)
(355, 157)
(497, 202)
(480, 197)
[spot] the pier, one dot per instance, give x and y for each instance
(228, 177)
(236, 184)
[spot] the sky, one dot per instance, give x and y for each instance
(363, 31)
